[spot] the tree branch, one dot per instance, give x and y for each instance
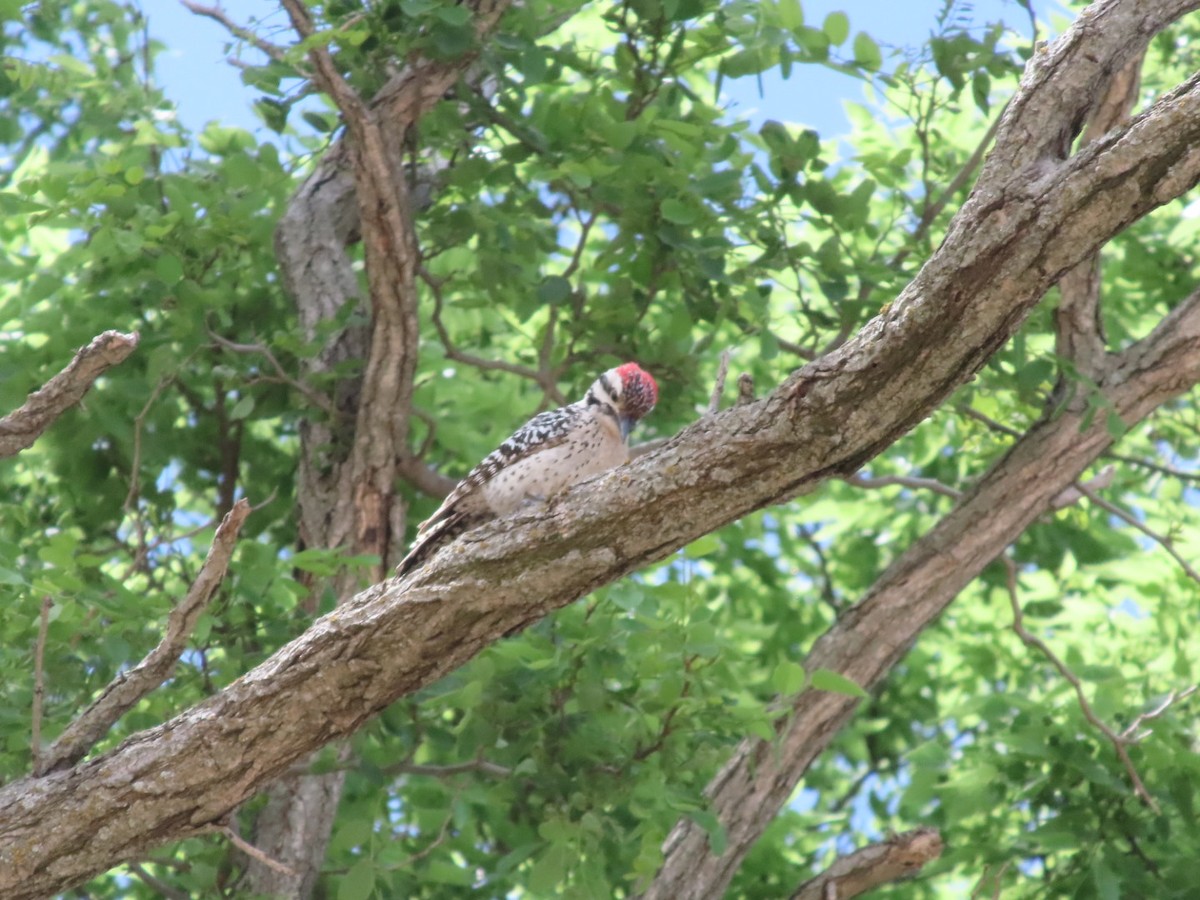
(1032, 640)
(1162, 540)
(897, 858)
(493, 365)
(495, 770)
(714, 401)
(361, 190)
(919, 484)
(20, 428)
(1078, 326)
(1134, 733)
(157, 884)
(254, 853)
(1020, 230)
(218, 15)
(1169, 471)
(132, 685)
(872, 636)
(39, 682)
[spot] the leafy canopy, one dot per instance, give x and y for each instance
(598, 203)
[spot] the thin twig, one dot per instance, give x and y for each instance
(174, 538)
(326, 74)
(1161, 469)
(476, 765)
(1041, 646)
(250, 850)
(714, 402)
(138, 421)
(585, 228)
(39, 681)
(828, 594)
(131, 506)
(20, 428)
(157, 884)
(988, 421)
(795, 349)
(275, 52)
(1072, 495)
(931, 211)
(978, 891)
(124, 691)
(957, 183)
(453, 353)
(1161, 540)
(441, 837)
(315, 397)
(1133, 733)
(921, 484)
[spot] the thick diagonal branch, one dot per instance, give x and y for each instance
(1024, 226)
(132, 685)
(20, 428)
(871, 637)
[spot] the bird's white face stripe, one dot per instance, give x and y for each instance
(607, 393)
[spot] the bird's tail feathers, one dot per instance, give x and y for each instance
(431, 537)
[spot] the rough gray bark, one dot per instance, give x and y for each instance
(872, 636)
(21, 427)
(1020, 231)
(351, 458)
(900, 856)
(761, 776)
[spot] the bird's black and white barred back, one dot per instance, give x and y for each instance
(548, 454)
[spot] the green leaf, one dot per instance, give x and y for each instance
(814, 40)
(1108, 885)
(703, 546)
(441, 871)
(837, 28)
(242, 408)
(317, 561)
(866, 52)
(553, 290)
(320, 122)
(678, 212)
(71, 64)
(550, 870)
(788, 677)
(8, 576)
(835, 683)
(168, 268)
(451, 41)
(791, 14)
(1115, 425)
(359, 882)
(453, 15)
(717, 838)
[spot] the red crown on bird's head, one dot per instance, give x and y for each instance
(639, 390)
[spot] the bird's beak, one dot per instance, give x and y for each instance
(626, 424)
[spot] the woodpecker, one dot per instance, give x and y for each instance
(549, 453)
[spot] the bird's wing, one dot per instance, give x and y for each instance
(543, 431)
